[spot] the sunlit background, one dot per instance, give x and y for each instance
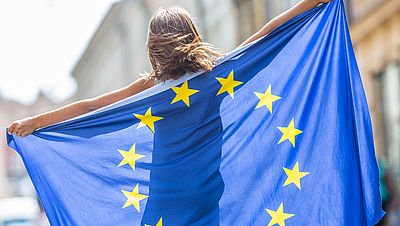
(53, 52)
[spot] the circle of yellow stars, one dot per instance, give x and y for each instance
(184, 93)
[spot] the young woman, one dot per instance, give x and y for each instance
(174, 47)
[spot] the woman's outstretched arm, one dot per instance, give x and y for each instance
(26, 126)
(299, 8)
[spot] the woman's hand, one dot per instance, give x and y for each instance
(23, 127)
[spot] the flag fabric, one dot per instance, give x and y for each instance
(278, 133)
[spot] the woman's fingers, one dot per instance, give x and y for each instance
(11, 128)
(15, 129)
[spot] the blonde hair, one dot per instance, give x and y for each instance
(174, 45)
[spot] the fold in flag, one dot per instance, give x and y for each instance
(278, 133)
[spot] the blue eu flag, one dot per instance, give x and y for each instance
(277, 134)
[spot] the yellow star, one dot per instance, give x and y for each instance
(266, 99)
(183, 93)
(228, 84)
(130, 157)
(278, 216)
(147, 119)
(289, 133)
(294, 175)
(133, 198)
